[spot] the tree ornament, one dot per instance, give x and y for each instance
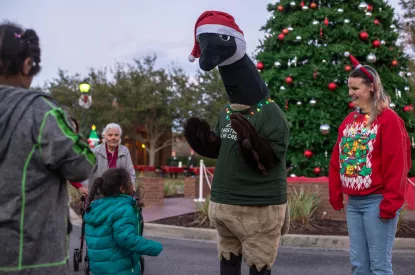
(392, 105)
(371, 58)
(298, 38)
(394, 63)
(321, 31)
(340, 10)
(347, 21)
(292, 176)
(290, 28)
(313, 5)
(277, 64)
(407, 108)
(376, 21)
(347, 68)
(408, 74)
(280, 8)
(383, 42)
(363, 35)
(315, 74)
(289, 80)
(305, 8)
(260, 66)
(317, 170)
(369, 7)
(308, 153)
(362, 6)
(292, 4)
(299, 103)
(368, 13)
(376, 43)
(326, 21)
(313, 102)
(285, 31)
(281, 36)
(302, 4)
(332, 86)
(325, 129)
(282, 88)
(350, 105)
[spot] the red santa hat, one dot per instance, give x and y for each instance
(357, 65)
(214, 22)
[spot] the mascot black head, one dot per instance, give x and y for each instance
(220, 42)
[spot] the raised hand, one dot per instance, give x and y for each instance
(201, 138)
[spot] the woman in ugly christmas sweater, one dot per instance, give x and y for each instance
(370, 163)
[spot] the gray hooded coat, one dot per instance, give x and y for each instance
(39, 151)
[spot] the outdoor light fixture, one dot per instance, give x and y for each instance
(84, 87)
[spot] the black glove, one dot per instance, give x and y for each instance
(255, 149)
(202, 140)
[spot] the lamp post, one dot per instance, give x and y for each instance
(85, 100)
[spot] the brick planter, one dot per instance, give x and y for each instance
(191, 187)
(153, 191)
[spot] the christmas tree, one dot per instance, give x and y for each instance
(93, 139)
(302, 61)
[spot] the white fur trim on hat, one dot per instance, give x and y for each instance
(219, 29)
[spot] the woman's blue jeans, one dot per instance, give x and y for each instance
(371, 239)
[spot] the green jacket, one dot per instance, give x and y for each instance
(113, 239)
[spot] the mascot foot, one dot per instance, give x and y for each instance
(231, 266)
(264, 271)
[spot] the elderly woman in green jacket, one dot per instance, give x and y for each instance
(111, 154)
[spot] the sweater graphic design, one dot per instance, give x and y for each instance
(355, 149)
(228, 133)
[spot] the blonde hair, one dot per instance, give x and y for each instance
(380, 100)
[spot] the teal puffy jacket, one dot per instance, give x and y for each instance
(112, 237)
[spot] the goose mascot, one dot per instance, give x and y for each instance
(248, 204)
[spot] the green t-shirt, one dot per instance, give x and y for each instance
(237, 183)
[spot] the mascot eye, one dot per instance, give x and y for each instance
(224, 37)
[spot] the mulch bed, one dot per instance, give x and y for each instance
(318, 227)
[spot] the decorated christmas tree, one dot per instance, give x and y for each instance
(303, 63)
(93, 139)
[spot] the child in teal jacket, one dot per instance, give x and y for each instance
(112, 227)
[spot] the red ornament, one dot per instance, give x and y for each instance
(376, 43)
(364, 35)
(280, 8)
(326, 21)
(376, 21)
(289, 80)
(317, 170)
(332, 86)
(281, 36)
(315, 73)
(302, 3)
(285, 31)
(347, 68)
(394, 63)
(260, 65)
(313, 5)
(369, 8)
(308, 153)
(407, 108)
(351, 105)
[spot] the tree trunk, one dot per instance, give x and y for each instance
(152, 155)
(134, 150)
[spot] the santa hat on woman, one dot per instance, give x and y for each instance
(220, 23)
(357, 65)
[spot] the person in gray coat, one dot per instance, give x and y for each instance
(111, 154)
(39, 151)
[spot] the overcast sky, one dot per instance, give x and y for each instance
(76, 35)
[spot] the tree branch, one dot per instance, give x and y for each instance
(165, 144)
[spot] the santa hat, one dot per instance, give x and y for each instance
(214, 22)
(357, 65)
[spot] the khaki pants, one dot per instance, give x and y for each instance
(253, 231)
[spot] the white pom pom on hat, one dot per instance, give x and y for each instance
(346, 54)
(191, 58)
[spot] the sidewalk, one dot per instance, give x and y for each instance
(172, 207)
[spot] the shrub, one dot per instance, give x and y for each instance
(202, 210)
(303, 206)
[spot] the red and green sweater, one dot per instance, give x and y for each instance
(373, 160)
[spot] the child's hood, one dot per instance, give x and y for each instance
(101, 209)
